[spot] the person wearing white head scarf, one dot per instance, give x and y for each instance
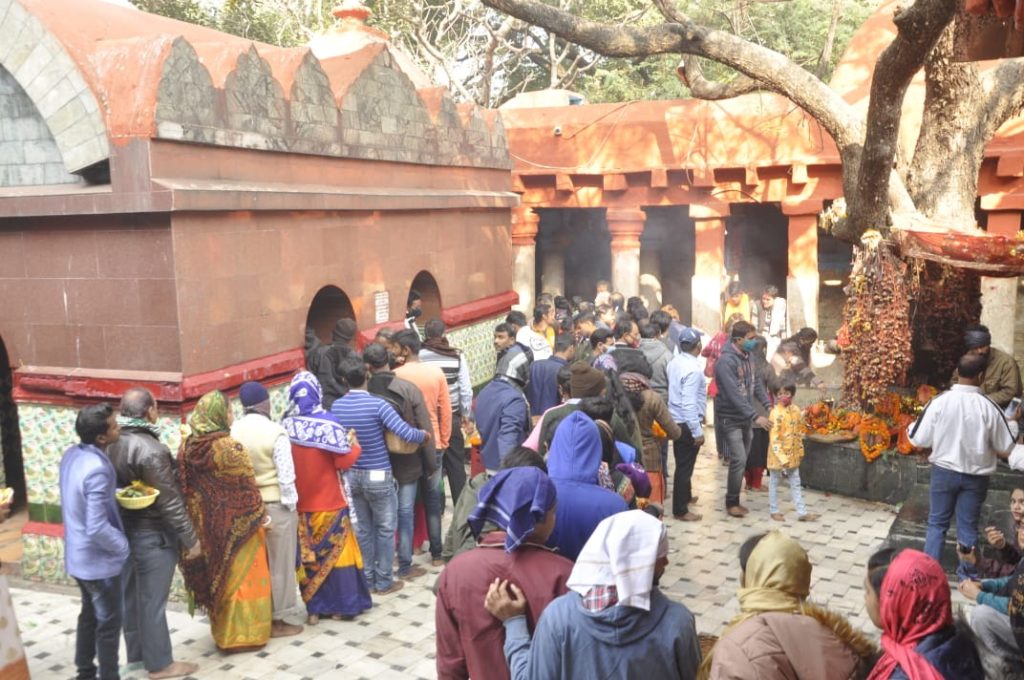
(614, 622)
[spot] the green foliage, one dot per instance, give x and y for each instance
(192, 11)
(455, 40)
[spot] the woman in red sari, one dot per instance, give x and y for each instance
(231, 579)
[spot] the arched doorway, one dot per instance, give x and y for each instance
(329, 305)
(10, 433)
(430, 295)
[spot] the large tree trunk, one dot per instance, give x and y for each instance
(943, 177)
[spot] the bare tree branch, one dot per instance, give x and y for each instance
(918, 29)
(774, 70)
(825, 56)
(1004, 94)
(693, 75)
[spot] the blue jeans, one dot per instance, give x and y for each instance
(99, 628)
(147, 579)
(406, 517)
(953, 492)
(433, 503)
(376, 506)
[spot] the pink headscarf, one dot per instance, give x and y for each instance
(915, 602)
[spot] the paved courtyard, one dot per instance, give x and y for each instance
(396, 638)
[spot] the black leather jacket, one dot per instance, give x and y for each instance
(138, 454)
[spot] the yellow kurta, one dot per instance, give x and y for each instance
(786, 448)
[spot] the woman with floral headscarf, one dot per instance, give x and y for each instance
(231, 579)
(907, 595)
(778, 634)
(331, 577)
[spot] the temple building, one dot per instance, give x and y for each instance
(177, 204)
(667, 198)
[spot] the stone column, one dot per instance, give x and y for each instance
(625, 226)
(709, 265)
(525, 223)
(650, 273)
(803, 281)
(552, 262)
(999, 295)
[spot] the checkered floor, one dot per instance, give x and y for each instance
(396, 638)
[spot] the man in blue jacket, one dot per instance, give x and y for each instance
(502, 414)
(737, 390)
(95, 545)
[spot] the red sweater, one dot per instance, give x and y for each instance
(314, 470)
(469, 639)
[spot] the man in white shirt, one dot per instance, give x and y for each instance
(966, 432)
(528, 337)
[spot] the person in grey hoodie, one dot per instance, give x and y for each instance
(614, 622)
(658, 356)
(737, 391)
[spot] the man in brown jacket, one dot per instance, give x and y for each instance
(1002, 375)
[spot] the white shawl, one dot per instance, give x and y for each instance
(622, 552)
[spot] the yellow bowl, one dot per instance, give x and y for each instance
(138, 502)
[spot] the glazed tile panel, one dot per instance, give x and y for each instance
(477, 344)
(47, 431)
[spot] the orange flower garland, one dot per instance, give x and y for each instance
(874, 437)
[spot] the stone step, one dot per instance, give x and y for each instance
(911, 524)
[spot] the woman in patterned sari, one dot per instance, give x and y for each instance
(231, 579)
(331, 577)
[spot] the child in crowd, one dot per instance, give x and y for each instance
(785, 451)
(1004, 537)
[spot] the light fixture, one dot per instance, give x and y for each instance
(833, 282)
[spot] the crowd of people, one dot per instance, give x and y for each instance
(557, 540)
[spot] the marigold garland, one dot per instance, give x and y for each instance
(876, 323)
(874, 437)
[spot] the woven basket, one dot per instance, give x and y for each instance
(706, 643)
(137, 503)
(398, 445)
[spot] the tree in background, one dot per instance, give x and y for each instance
(933, 183)
(488, 57)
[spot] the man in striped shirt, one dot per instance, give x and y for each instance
(438, 352)
(374, 495)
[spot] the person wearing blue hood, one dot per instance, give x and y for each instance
(502, 413)
(573, 462)
(513, 517)
(614, 622)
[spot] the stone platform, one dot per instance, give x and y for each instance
(395, 639)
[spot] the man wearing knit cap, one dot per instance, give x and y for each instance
(584, 381)
(1002, 375)
(271, 453)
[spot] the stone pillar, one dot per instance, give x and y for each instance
(552, 262)
(709, 265)
(625, 226)
(999, 295)
(525, 223)
(650, 273)
(803, 281)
